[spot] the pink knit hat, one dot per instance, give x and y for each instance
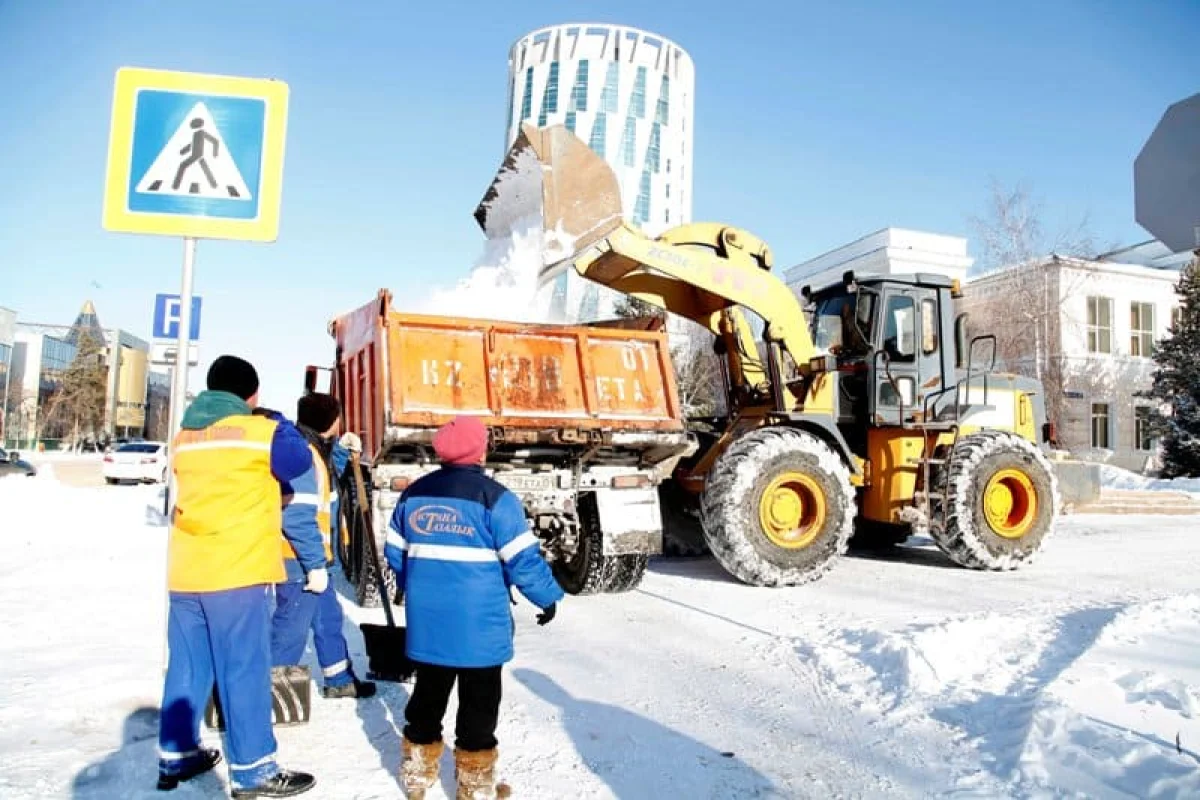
(462, 440)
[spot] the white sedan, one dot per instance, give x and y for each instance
(136, 461)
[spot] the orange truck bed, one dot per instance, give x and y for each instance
(529, 382)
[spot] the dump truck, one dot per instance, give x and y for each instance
(872, 415)
(584, 423)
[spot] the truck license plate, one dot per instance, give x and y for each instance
(527, 483)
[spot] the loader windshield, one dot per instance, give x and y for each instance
(841, 324)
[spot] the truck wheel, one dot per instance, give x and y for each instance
(366, 591)
(1001, 504)
(592, 572)
(778, 507)
(683, 532)
(366, 588)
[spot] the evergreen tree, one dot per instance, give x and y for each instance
(77, 405)
(1177, 382)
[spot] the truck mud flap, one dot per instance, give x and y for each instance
(630, 521)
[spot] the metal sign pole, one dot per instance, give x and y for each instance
(179, 375)
(179, 381)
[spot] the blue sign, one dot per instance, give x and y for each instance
(195, 155)
(166, 317)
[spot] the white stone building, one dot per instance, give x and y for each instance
(885, 252)
(1088, 329)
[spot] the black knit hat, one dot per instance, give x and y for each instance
(234, 375)
(318, 411)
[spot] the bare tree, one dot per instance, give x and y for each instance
(1023, 289)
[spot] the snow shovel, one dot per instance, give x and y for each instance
(387, 657)
(291, 699)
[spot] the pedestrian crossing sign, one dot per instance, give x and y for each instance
(195, 155)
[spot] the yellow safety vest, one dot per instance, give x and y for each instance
(323, 500)
(228, 508)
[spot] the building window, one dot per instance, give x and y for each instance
(637, 101)
(662, 114)
(1100, 423)
(549, 96)
(579, 90)
(1143, 432)
(641, 208)
(628, 143)
(1099, 324)
(527, 97)
(570, 122)
(608, 97)
(652, 149)
(1141, 329)
(599, 130)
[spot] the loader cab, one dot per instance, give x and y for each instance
(895, 342)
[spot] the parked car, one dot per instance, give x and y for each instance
(136, 461)
(11, 463)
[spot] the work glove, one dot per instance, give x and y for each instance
(351, 442)
(318, 581)
(547, 614)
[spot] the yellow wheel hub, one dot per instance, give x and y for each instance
(792, 510)
(1010, 503)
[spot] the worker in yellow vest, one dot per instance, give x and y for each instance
(223, 560)
(309, 505)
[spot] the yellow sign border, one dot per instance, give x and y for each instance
(117, 216)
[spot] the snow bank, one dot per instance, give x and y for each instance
(1074, 678)
(1112, 477)
(1101, 699)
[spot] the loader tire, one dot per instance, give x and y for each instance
(1001, 502)
(589, 571)
(778, 508)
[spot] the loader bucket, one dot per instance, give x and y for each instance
(550, 173)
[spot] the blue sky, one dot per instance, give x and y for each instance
(816, 122)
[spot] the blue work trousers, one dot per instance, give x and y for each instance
(296, 613)
(223, 635)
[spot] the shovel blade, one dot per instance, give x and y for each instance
(550, 176)
(291, 699)
(387, 659)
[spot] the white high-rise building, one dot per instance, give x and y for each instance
(628, 94)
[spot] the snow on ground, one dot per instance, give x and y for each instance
(899, 677)
(1113, 477)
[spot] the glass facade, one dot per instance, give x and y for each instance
(625, 93)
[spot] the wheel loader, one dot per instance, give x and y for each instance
(872, 415)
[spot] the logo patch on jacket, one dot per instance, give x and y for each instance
(433, 519)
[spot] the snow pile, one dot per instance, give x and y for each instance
(503, 283)
(1102, 699)
(1112, 477)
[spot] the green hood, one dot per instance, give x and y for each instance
(210, 407)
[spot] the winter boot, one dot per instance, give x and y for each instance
(284, 783)
(355, 688)
(475, 772)
(420, 768)
(209, 758)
